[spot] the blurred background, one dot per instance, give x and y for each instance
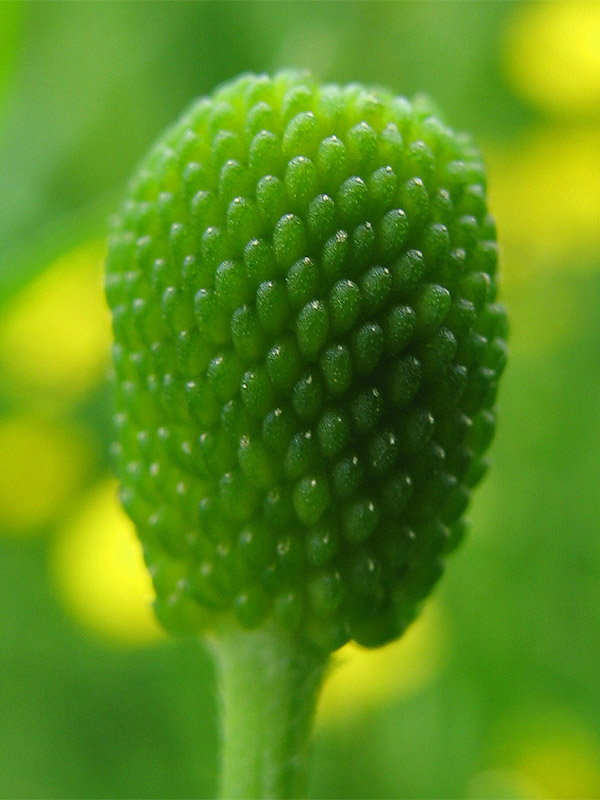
(495, 691)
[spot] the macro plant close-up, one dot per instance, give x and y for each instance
(253, 331)
(307, 354)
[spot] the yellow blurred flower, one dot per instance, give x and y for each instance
(100, 573)
(552, 55)
(55, 334)
(42, 465)
(544, 192)
(542, 753)
(362, 678)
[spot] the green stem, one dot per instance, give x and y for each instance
(269, 684)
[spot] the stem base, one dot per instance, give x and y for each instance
(269, 685)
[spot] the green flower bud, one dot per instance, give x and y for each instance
(307, 353)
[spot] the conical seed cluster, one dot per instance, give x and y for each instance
(307, 352)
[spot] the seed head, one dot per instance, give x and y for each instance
(307, 352)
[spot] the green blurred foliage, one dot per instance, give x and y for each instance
(512, 711)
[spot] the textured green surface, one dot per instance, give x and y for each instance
(307, 349)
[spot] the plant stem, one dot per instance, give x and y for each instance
(269, 684)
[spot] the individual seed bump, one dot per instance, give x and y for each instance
(419, 160)
(475, 287)
(255, 463)
(362, 248)
(301, 135)
(201, 402)
(375, 285)
(336, 368)
(367, 347)
(335, 256)
(277, 430)
(226, 145)
(234, 181)
(259, 262)
(441, 206)
(302, 281)
(284, 364)
(407, 272)
(472, 201)
(271, 200)
(231, 284)
(396, 493)
(224, 373)
(403, 381)
(461, 317)
(347, 476)
(366, 409)
(382, 453)
(214, 248)
(415, 431)
(272, 306)
(265, 154)
(391, 147)
(496, 355)
(235, 420)
(361, 143)
(321, 544)
(436, 245)
(325, 591)
(312, 325)
(344, 306)
(251, 606)
(296, 100)
(414, 199)
(465, 232)
(176, 311)
(383, 185)
(352, 201)
(301, 454)
(311, 498)
(437, 353)
(289, 554)
(256, 392)
(392, 232)
(321, 219)
(211, 316)
(431, 306)
(288, 608)
(278, 507)
(242, 222)
(333, 432)
(247, 334)
(301, 183)
(360, 519)
(308, 395)
(260, 117)
(215, 454)
(398, 326)
(332, 163)
(239, 499)
(365, 574)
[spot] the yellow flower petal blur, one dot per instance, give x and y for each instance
(563, 767)
(550, 751)
(42, 465)
(552, 54)
(362, 678)
(544, 192)
(55, 334)
(100, 573)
